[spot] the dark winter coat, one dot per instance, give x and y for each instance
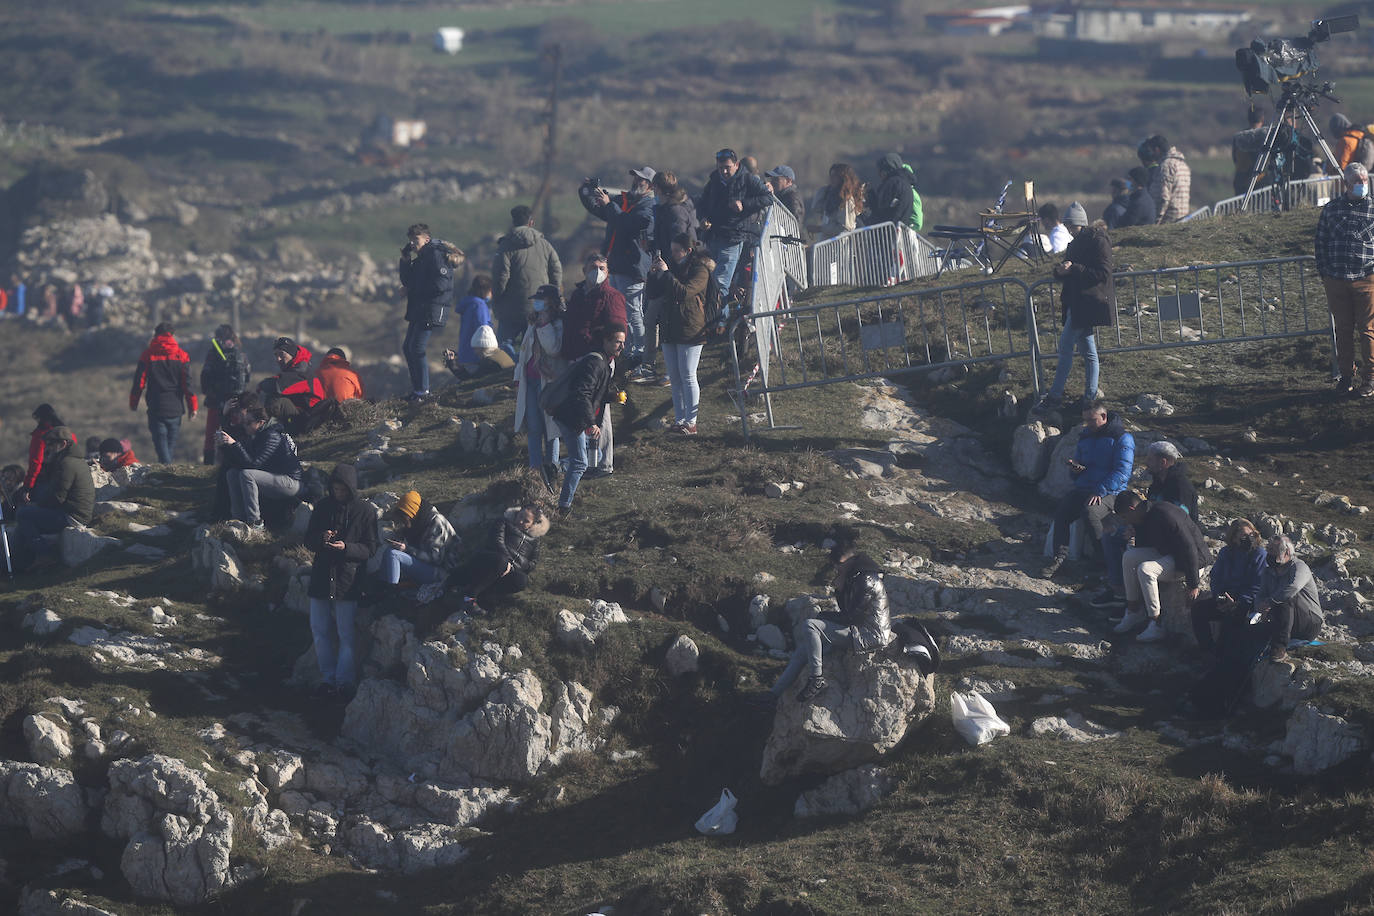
(164, 369)
(524, 262)
(73, 490)
(1107, 455)
(519, 547)
(629, 220)
(1237, 572)
(892, 200)
(1169, 530)
(682, 289)
(588, 387)
(271, 449)
(1089, 296)
(224, 375)
(38, 448)
(294, 384)
(716, 205)
(1116, 210)
(428, 280)
(335, 573)
(1140, 209)
(588, 310)
(862, 598)
(672, 218)
(792, 199)
(1175, 488)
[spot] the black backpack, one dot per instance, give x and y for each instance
(555, 392)
(713, 306)
(237, 372)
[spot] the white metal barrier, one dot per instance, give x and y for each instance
(781, 256)
(881, 255)
(1308, 192)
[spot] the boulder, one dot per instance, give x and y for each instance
(42, 622)
(464, 807)
(869, 703)
(1071, 727)
(45, 801)
(1057, 480)
(770, 637)
(682, 657)
(758, 611)
(1281, 684)
(1031, 446)
(216, 561)
(78, 545)
(178, 836)
(848, 793)
(1151, 405)
(581, 631)
(47, 740)
(1318, 741)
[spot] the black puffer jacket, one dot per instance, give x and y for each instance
(1175, 488)
(518, 546)
(716, 205)
(428, 280)
(271, 449)
(862, 598)
(588, 386)
(334, 573)
(1168, 529)
(672, 218)
(1089, 297)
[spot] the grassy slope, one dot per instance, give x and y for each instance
(1130, 825)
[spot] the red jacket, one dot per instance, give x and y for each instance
(165, 370)
(127, 458)
(293, 384)
(36, 450)
(586, 312)
(338, 379)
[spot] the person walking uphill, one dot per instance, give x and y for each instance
(1088, 300)
(1345, 261)
(581, 409)
(224, 375)
(730, 197)
(629, 232)
(427, 275)
(343, 536)
(682, 287)
(164, 370)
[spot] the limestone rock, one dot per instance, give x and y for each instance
(1281, 684)
(462, 807)
(581, 631)
(45, 801)
(683, 656)
(1318, 741)
(47, 740)
(116, 507)
(863, 462)
(851, 792)
(865, 710)
(217, 561)
(78, 545)
(42, 622)
(1151, 405)
(758, 611)
(770, 637)
(1031, 446)
(1057, 480)
(1071, 727)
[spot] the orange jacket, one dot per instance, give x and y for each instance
(339, 380)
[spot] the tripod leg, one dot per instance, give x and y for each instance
(1262, 163)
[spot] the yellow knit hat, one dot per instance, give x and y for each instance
(409, 504)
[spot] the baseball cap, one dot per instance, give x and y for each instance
(643, 172)
(782, 171)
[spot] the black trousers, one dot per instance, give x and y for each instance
(1073, 505)
(485, 572)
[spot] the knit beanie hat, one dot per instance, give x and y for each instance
(1075, 215)
(111, 445)
(409, 504)
(286, 345)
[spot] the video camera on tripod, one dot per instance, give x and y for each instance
(1279, 61)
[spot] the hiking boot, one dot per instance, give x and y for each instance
(472, 608)
(813, 687)
(1128, 623)
(1048, 404)
(1152, 633)
(1345, 386)
(1106, 598)
(1060, 557)
(1366, 389)
(596, 473)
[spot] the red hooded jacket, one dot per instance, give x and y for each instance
(165, 370)
(293, 383)
(37, 448)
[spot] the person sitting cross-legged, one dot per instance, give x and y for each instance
(1168, 546)
(424, 543)
(1235, 584)
(505, 566)
(1101, 468)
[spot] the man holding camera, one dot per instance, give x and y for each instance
(428, 280)
(629, 227)
(1345, 260)
(730, 197)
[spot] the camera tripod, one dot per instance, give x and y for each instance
(1292, 105)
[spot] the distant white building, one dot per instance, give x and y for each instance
(1130, 22)
(448, 40)
(986, 20)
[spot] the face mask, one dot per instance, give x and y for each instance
(539, 305)
(1359, 191)
(596, 277)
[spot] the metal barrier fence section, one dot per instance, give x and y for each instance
(1308, 192)
(781, 256)
(881, 255)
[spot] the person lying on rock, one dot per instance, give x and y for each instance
(343, 536)
(505, 566)
(423, 542)
(862, 624)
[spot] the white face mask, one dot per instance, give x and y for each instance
(596, 277)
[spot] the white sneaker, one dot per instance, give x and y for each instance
(1153, 633)
(1132, 620)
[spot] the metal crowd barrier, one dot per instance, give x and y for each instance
(881, 255)
(1307, 192)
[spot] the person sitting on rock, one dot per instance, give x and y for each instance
(1101, 468)
(66, 495)
(1235, 584)
(1168, 546)
(265, 463)
(343, 536)
(115, 454)
(505, 566)
(46, 419)
(861, 625)
(423, 545)
(1170, 482)
(1287, 600)
(290, 393)
(337, 377)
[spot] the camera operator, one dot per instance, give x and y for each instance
(629, 221)
(1345, 259)
(427, 277)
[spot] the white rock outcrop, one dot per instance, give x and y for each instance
(216, 561)
(1031, 446)
(581, 631)
(851, 792)
(47, 740)
(77, 545)
(1318, 741)
(45, 801)
(683, 656)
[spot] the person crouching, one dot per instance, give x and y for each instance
(424, 542)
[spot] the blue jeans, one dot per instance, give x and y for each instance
(331, 623)
(576, 443)
(1113, 549)
(164, 431)
(1086, 343)
(541, 450)
(417, 337)
(633, 291)
(681, 363)
(727, 259)
(394, 561)
(811, 636)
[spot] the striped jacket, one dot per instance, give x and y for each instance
(1171, 186)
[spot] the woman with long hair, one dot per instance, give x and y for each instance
(682, 289)
(836, 207)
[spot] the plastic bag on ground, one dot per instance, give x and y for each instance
(722, 818)
(975, 719)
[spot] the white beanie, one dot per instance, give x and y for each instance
(484, 339)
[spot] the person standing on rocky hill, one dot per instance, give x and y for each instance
(583, 407)
(629, 229)
(731, 196)
(593, 305)
(524, 262)
(164, 370)
(427, 277)
(343, 536)
(1345, 261)
(224, 375)
(1088, 300)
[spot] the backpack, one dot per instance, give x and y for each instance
(237, 371)
(713, 307)
(554, 393)
(915, 218)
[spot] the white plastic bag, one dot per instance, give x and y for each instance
(722, 818)
(975, 719)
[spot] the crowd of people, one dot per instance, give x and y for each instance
(63, 305)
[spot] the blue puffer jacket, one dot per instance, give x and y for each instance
(1107, 455)
(1237, 573)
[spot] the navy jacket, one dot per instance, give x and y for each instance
(628, 221)
(1237, 573)
(1107, 455)
(716, 205)
(271, 450)
(428, 280)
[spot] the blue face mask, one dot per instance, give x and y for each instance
(539, 305)
(1359, 191)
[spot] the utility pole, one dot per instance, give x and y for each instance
(554, 53)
